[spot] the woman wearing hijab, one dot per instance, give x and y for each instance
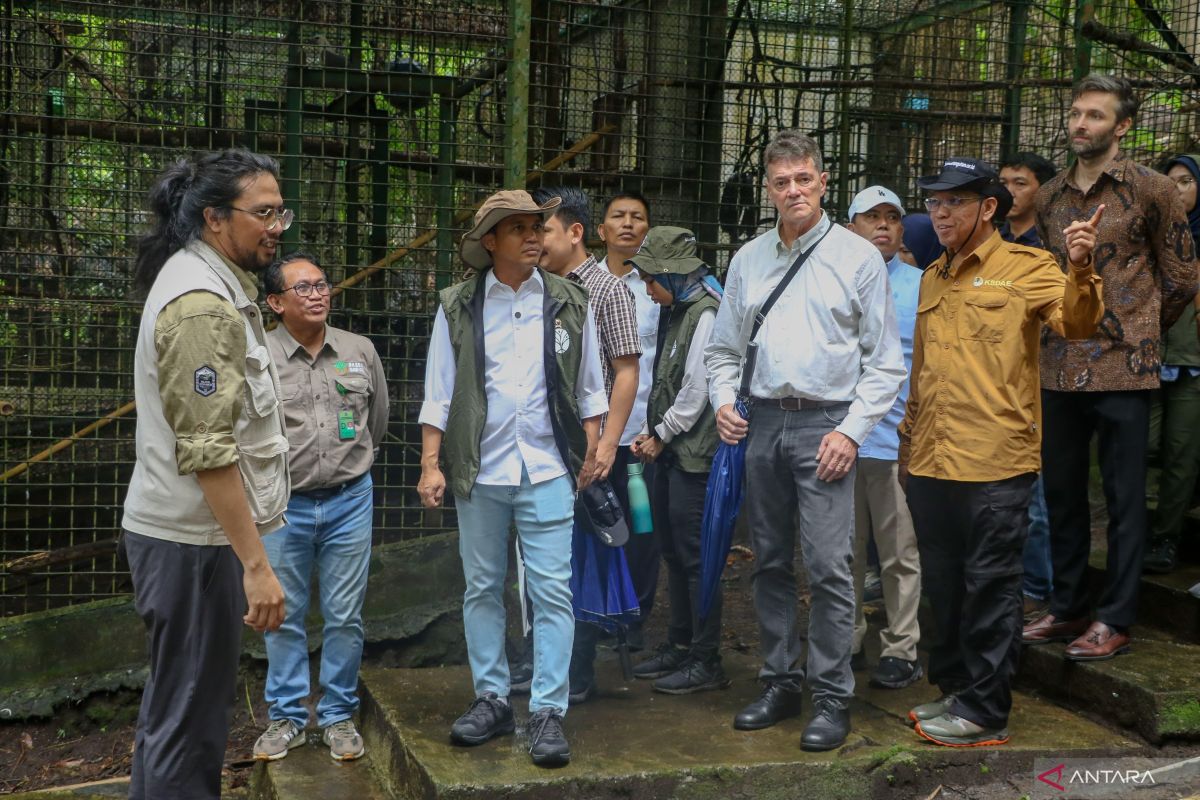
(681, 437)
(921, 246)
(1175, 419)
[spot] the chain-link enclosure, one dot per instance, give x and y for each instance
(391, 121)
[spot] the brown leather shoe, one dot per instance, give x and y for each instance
(1049, 628)
(1099, 643)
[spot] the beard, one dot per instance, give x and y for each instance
(1096, 144)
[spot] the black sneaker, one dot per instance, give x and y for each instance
(896, 673)
(667, 658)
(858, 661)
(520, 674)
(580, 689)
(547, 743)
(1161, 557)
(487, 717)
(693, 676)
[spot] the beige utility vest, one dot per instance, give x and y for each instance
(161, 502)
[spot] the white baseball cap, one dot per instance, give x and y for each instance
(872, 196)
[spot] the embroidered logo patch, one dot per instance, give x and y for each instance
(205, 381)
(562, 340)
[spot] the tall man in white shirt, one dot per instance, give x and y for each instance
(623, 228)
(514, 389)
(829, 366)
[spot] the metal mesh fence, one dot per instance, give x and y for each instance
(393, 120)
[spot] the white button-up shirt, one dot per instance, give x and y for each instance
(517, 431)
(647, 321)
(831, 336)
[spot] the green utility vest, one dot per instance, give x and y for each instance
(692, 450)
(564, 313)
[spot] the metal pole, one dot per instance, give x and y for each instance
(516, 136)
(443, 188)
(1018, 20)
(1085, 10)
(843, 178)
(293, 126)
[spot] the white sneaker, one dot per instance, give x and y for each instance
(279, 737)
(344, 742)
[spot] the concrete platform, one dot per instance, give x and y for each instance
(628, 742)
(1154, 689)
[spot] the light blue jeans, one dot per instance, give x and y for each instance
(544, 514)
(334, 535)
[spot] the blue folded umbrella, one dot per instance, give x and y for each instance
(721, 506)
(602, 591)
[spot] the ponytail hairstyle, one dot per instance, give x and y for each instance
(178, 199)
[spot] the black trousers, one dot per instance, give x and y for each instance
(971, 536)
(192, 601)
(641, 551)
(1121, 422)
(678, 506)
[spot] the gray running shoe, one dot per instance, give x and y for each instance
(344, 742)
(279, 737)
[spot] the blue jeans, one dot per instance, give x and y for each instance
(1038, 570)
(544, 514)
(334, 534)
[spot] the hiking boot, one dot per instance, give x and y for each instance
(951, 730)
(279, 737)
(1161, 557)
(547, 743)
(693, 676)
(488, 716)
(930, 710)
(667, 658)
(343, 740)
(896, 673)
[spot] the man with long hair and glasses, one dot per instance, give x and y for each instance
(335, 407)
(971, 435)
(211, 475)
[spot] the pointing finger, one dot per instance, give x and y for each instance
(1095, 220)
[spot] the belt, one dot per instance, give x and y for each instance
(797, 403)
(326, 492)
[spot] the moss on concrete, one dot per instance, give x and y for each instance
(1180, 718)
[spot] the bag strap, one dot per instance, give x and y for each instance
(783, 284)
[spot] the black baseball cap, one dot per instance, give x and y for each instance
(960, 172)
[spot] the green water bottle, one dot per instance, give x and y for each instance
(639, 500)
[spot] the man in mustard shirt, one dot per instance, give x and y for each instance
(970, 442)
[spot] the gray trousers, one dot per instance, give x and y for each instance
(192, 601)
(781, 479)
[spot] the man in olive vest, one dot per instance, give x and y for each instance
(514, 389)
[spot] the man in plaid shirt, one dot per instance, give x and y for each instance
(565, 255)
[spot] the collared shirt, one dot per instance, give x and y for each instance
(831, 336)
(1146, 254)
(200, 341)
(517, 430)
(616, 322)
(1029, 238)
(647, 321)
(905, 281)
(974, 408)
(335, 406)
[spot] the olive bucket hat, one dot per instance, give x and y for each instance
(667, 250)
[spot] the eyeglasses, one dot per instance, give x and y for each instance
(270, 217)
(950, 203)
(1184, 181)
(306, 289)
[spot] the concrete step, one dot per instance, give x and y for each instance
(1154, 689)
(631, 742)
(1164, 602)
(308, 773)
